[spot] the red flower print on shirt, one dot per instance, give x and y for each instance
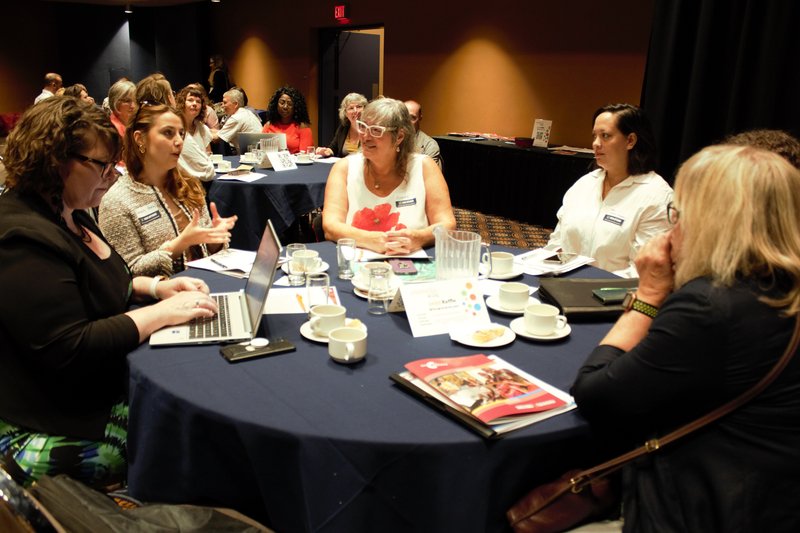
(380, 218)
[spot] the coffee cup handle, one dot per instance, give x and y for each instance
(314, 323)
(561, 321)
(351, 349)
(486, 259)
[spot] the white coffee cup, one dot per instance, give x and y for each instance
(306, 260)
(216, 158)
(502, 263)
(543, 319)
(326, 317)
(224, 165)
(249, 155)
(347, 345)
(514, 295)
(303, 158)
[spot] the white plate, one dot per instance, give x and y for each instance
(516, 270)
(308, 333)
(518, 326)
(493, 303)
(220, 171)
(464, 336)
(304, 162)
(365, 294)
(322, 268)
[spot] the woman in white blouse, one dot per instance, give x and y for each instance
(611, 212)
(195, 157)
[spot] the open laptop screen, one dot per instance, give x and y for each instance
(261, 275)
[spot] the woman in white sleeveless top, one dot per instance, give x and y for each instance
(386, 197)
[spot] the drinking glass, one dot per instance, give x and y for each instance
(317, 289)
(297, 273)
(312, 152)
(379, 291)
(346, 255)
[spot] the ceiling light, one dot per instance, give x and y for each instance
(128, 9)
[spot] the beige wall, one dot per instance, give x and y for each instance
(474, 66)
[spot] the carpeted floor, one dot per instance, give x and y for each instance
(502, 231)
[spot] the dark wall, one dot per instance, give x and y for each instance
(95, 45)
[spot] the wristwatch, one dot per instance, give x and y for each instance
(631, 301)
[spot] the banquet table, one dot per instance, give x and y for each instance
(306, 444)
(280, 196)
(499, 178)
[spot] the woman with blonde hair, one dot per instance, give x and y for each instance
(346, 139)
(156, 216)
(387, 197)
(122, 104)
(716, 305)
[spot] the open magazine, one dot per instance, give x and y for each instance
(485, 392)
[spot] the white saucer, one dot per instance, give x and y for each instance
(518, 326)
(361, 293)
(464, 336)
(243, 161)
(322, 268)
(516, 270)
(308, 333)
(303, 162)
(358, 283)
(493, 303)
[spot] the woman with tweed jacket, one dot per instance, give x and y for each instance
(156, 217)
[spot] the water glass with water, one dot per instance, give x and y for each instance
(297, 273)
(317, 289)
(379, 291)
(346, 255)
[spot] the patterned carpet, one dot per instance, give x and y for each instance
(502, 231)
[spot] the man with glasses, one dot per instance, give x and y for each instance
(425, 144)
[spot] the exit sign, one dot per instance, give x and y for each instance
(340, 13)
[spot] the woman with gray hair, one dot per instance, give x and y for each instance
(346, 139)
(387, 197)
(121, 102)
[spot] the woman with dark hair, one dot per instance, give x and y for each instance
(156, 216)
(79, 91)
(66, 327)
(611, 212)
(287, 114)
(387, 197)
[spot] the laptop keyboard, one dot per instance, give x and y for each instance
(218, 325)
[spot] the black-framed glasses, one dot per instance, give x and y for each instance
(374, 131)
(673, 213)
(105, 166)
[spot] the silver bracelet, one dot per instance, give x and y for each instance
(153, 284)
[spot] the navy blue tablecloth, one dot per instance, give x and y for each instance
(306, 444)
(280, 196)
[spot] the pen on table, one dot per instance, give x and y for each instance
(218, 263)
(300, 301)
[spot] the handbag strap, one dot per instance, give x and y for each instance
(581, 479)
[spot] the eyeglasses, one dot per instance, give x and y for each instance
(105, 167)
(374, 131)
(673, 214)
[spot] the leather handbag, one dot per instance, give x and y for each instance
(579, 496)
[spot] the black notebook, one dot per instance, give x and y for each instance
(573, 296)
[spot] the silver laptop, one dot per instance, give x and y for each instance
(239, 312)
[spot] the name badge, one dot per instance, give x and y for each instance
(148, 213)
(614, 219)
(406, 203)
